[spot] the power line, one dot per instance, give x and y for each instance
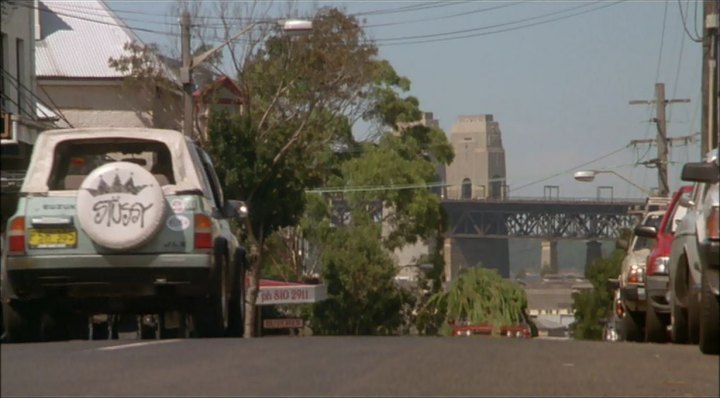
(431, 40)
(683, 18)
(662, 43)
(460, 14)
(569, 170)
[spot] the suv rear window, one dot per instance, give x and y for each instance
(74, 160)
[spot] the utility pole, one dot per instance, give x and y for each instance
(662, 141)
(710, 90)
(186, 75)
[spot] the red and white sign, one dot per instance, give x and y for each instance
(275, 292)
(283, 323)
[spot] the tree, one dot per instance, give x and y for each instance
(301, 94)
(478, 296)
(591, 306)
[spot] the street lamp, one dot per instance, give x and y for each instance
(589, 176)
(289, 26)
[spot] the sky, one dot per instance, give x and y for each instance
(558, 76)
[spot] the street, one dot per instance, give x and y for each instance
(356, 366)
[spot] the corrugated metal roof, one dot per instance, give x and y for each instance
(78, 39)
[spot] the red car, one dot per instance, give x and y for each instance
(657, 315)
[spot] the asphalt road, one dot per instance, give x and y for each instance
(356, 366)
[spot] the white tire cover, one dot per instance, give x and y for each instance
(120, 205)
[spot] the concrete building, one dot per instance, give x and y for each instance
(478, 170)
(23, 116)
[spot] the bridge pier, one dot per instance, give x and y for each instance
(594, 251)
(549, 257)
(491, 253)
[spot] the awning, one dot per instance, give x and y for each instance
(280, 292)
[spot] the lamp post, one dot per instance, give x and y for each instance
(589, 176)
(289, 26)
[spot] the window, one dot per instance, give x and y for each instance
(212, 178)
(75, 159)
(466, 189)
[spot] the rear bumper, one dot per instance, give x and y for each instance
(657, 292)
(99, 280)
(633, 297)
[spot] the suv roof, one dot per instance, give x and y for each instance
(41, 162)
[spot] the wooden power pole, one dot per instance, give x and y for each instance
(186, 75)
(662, 140)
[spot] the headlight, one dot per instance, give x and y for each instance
(661, 265)
(636, 274)
(712, 223)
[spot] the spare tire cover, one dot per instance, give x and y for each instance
(120, 205)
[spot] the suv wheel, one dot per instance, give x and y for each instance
(709, 318)
(237, 302)
(211, 315)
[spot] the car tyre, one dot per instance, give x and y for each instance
(211, 315)
(655, 330)
(237, 302)
(21, 321)
(709, 318)
(693, 310)
(632, 326)
(678, 322)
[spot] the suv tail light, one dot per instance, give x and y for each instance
(636, 275)
(203, 232)
(16, 236)
(712, 223)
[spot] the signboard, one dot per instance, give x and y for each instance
(291, 294)
(283, 323)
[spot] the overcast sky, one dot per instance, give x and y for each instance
(556, 75)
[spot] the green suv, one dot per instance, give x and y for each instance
(120, 221)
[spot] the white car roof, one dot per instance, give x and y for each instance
(41, 162)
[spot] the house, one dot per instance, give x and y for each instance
(76, 41)
(222, 94)
(23, 116)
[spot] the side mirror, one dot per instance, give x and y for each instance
(235, 208)
(645, 231)
(700, 172)
(622, 244)
(686, 202)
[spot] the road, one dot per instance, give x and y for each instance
(356, 366)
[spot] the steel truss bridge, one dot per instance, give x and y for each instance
(540, 218)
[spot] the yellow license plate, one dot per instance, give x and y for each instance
(52, 238)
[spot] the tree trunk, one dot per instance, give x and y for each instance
(252, 291)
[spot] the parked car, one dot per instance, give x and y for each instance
(632, 280)
(657, 313)
(695, 259)
(116, 221)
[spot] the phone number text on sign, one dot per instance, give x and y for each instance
(287, 295)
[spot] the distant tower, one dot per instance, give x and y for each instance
(478, 170)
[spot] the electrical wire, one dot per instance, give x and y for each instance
(569, 170)
(662, 43)
(460, 14)
(411, 40)
(683, 18)
(124, 26)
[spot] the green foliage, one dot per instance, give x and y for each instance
(479, 296)
(363, 299)
(591, 306)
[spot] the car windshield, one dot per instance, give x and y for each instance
(75, 159)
